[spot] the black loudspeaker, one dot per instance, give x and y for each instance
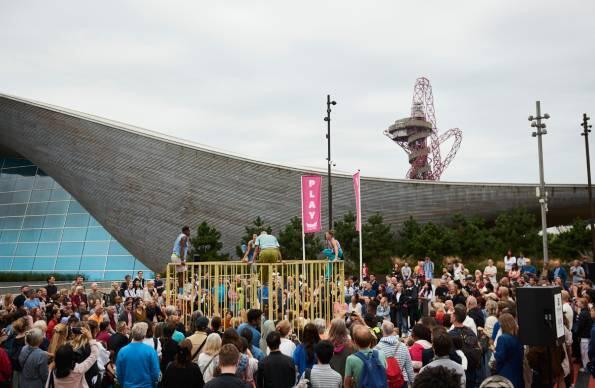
(540, 317)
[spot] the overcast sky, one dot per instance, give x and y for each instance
(251, 77)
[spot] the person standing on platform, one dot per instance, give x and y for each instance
(267, 251)
(332, 252)
(250, 249)
(179, 255)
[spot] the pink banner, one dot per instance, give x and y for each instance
(358, 208)
(311, 201)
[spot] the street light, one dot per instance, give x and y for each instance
(585, 124)
(541, 193)
(329, 102)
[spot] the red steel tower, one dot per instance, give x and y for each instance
(418, 136)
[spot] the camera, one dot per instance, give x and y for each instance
(77, 330)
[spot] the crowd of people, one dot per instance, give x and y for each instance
(412, 328)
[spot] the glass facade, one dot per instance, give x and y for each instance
(44, 229)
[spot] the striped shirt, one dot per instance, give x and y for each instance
(392, 347)
(323, 376)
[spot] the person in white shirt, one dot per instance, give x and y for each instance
(520, 261)
(567, 309)
(458, 270)
(406, 271)
(491, 271)
(509, 260)
(287, 346)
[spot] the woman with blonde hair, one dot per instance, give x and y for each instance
(342, 345)
(59, 337)
(208, 359)
(509, 352)
(81, 345)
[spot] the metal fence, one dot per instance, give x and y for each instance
(294, 290)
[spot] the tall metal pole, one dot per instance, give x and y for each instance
(542, 194)
(329, 102)
(586, 130)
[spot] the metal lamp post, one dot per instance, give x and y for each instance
(541, 193)
(329, 102)
(586, 129)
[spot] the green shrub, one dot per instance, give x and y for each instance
(33, 276)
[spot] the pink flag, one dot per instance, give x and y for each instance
(311, 201)
(358, 208)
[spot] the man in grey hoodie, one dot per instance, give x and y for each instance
(33, 361)
(390, 345)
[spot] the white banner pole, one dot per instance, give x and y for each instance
(303, 234)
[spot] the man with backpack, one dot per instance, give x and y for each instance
(471, 347)
(399, 368)
(367, 367)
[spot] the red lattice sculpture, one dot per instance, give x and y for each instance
(418, 136)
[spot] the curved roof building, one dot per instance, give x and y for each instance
(141, 187)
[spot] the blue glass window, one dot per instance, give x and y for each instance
(77, 220)
(7, 249)
(24, 183)
(120, 263)
(30, 235)
(76, 207)
(9, 236)
(26, 249)
(33, 222)
(42, 228)
(74, 234)
(54, 221)
(71, 248)
(12, 223)
(44, 263)
(68, 263)
(47, 248)
(116, 249)
(97, 234)
(23, 263)
(116, 275)
(15, 210)
(43, 181)
(50, 235)
(96, 248)
(93, 262)
(60, 207)
(20, 197)
(59, 195)
(40, 195)
(37, 208)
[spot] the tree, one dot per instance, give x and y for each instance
(257, 226)
(517, 229)
(472, 239)
(206, 244)
(348, 237)
(378, 244)
(572, 243)
(408, 236)
(290, 239)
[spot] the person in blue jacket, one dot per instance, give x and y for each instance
(559, 272)
(303, 356)
(509, 352)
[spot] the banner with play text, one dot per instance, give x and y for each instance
(311, 203)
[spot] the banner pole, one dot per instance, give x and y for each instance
(303, 221)
(359, 192)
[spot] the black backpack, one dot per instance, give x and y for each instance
(471, 347)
